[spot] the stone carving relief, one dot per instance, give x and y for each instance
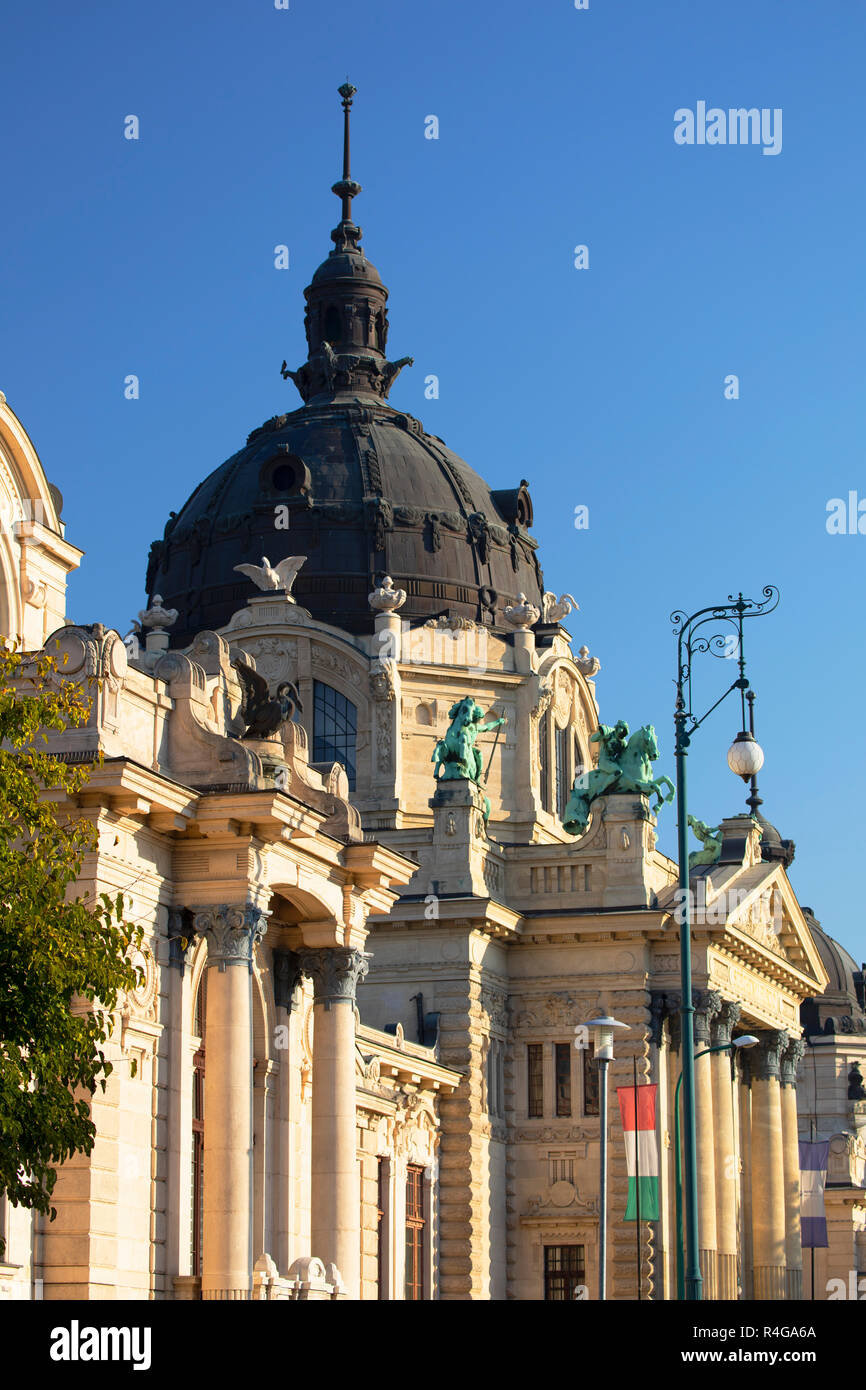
(329, 660)
(560, 1010)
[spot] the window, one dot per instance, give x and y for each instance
(543, 766)
(333, 326)
(590, 1081)
(563, 1078)
(415, 1225)
(495, 1077)
(560, 1168)
(564, 1272)
(381, 1228)
(198, 1130)
(535, 1079)
(563, 786)
(335, 729)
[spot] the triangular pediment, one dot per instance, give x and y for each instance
(756, 911)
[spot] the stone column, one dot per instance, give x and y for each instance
(287, 978)
(744, 1095)
(707, 1004)
(791, 1163)
(335, 1217)
(726, 1161)
(768, 1172)
(231, 934)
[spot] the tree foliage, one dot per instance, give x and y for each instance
(64, 962)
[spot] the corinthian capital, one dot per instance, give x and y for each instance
(765, 1059)
(335, 972)
(707, 1003)
(231, 933)
(790, 1058)
(723, 1023)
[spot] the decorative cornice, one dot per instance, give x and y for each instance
(335, 972)
(287, 979)
(765, 1059)
(723, 1023)
(707, 1004)
(231, 933)
(790, 1058)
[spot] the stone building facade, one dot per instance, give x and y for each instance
(355, 1071)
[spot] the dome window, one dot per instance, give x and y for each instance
(286, 473)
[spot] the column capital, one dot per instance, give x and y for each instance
(707, 1003)
(335, 972)
(287, 978)
(231, 933)
(765, 1059)
(181, 937)
(790, 1058)
(723, 1022)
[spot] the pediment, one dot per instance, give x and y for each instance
(756, 911)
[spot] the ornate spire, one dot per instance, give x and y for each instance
(347, 317)
(347, 235)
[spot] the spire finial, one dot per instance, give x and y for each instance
(347, 235)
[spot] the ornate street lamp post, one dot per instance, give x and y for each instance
(745, 759)
(602, 1038)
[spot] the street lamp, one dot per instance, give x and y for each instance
(747, 1040)
(602, 1030)
(691, 639)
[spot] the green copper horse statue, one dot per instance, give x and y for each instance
(456, 756)
(624, 765)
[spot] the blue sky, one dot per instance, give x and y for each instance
(604, 387)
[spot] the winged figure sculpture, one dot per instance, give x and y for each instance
(262, 712)
(273, 578)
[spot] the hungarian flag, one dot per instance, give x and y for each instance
(641, 1150)
(813, 1175)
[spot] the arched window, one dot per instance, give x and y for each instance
(543, 766)
(563, 782)
(335, 729)
(333, 326)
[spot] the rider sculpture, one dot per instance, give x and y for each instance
(711, 838)
(624, 765)
(456, 755)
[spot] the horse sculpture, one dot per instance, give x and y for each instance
(456, 756)
(624, 765)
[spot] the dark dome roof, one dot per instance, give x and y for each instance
(773, 848)
(839, 963)
(368, 493)
(842, 1006)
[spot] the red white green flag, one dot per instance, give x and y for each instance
(641, 1149)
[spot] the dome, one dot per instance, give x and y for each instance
(357, 487)
(773, 848)
(842, 1006)
(839, 963)
(366, 492)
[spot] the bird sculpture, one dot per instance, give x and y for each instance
(263, 713)
(557, 609)
(270, 578)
